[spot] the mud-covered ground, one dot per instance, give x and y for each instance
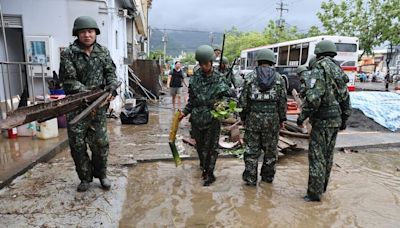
(147, 192)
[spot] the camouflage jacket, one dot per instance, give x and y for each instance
(82, 72)
(260, 107)
(204, 92)
(327, 100)
(304, 77)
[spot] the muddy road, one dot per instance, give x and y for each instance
(364, 192)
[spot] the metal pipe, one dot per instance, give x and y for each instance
(9, 87)
(4, 32)
(20, 78)
(4, 89)
(43, 84)
(33, 85)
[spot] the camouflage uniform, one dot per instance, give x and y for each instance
(204, 92)
(82, 72)
(262, 112)
(327, 105)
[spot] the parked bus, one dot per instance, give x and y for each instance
(291, 54)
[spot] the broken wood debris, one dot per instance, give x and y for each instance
(137, 81)
(49, 110)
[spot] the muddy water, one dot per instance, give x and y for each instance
(364, 192)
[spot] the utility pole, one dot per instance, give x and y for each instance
(389, 57)
(281, 8)
(164, 39)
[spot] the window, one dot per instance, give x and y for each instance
(251, 60)
(242, 63)
(294, 55)
(304, 53)
(346, 47)
(283, 55)
(348, 63)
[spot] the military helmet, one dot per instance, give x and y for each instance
(225, 60)
(325, 46)
(265, 54)
(312, 61)
(204, 53)
(301, 69)
(84, 22)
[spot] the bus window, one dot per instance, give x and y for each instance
(243, 63)
(304, 53)
(348, 63)
(346, 47)
(251, 60)
(294, 55)
(283, 55)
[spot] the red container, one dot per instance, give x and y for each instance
(12, 133)
(351, 88)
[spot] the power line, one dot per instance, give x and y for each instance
(186, 30)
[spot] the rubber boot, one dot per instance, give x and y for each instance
(83, 186)
(105, 183)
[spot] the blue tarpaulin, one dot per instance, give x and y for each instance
(382, 107)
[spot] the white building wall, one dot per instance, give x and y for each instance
(55, 18)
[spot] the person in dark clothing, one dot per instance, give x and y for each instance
(174, 83)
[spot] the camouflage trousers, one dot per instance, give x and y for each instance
(92, 131)
(256, 142)
(207, 145)
(320, 159)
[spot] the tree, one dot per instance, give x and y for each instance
(188, 59)
(373, 22)
(236, 41)
(156, 54)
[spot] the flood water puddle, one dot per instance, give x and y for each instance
(364, 192)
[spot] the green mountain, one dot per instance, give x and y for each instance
(179, 41)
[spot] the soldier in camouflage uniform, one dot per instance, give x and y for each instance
(86, 65)
(304, 73)
(206, 87)
(263, 100)
(327, 104)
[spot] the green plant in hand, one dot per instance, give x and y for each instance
(224, 109)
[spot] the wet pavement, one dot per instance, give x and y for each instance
(20, 154)
(363, 192)
(149, 191)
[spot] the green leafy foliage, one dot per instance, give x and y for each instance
(373, 22)
(236, 41)
(225, 109)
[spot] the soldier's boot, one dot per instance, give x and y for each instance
(267, 172)
(105, 183)
(83, 186)
(209, 179)
(204, 174)
(310, 198)
(250, 173)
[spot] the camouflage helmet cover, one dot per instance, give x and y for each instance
(301, 69)
(225, 60)
(85, 22)
(265, 54)
(204, 53)
(312, 61)
(325, 46)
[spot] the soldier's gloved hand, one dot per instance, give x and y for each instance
(300, 122)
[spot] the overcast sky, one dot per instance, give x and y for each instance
(219, 15)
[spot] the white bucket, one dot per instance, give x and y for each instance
(47, 129)
(28, 129)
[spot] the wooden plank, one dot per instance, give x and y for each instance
(49, 110)
(287, 141)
